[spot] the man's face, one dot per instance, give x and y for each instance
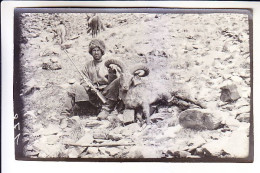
(96, 53)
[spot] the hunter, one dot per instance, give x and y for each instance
(102, 78)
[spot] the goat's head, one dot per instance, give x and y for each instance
(128, 77)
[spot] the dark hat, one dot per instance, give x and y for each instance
(97, 43)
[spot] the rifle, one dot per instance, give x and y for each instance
(102, 98)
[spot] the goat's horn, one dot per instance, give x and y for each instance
(116, 62)
(141, 67)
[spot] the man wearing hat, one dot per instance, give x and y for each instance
(96, 71)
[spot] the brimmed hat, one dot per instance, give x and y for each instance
(97, 43)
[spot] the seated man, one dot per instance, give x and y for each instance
(99, 75)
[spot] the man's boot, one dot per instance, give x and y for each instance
(104, 113)
(106, 109)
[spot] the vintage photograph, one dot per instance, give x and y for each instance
(133, 84)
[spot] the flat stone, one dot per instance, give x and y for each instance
(160, 116)
(128, 116)
(127, 132)
(178, 154)
(103, 115)
(244, 117)
(86, 139)
(112, 151)
(92, 150)
(117, 130)
(73, 153)
(63, 123)
(243, 109)
(71, 81)
(93, 123)
(231, 122)
(133, 127)
(100, 136)
(114, 137)
(199, 119)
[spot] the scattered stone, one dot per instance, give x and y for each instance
(128, 116)
(66, 46)
(102, 115)
(113, 121)
(133, 127)
(144, 152)
(73, 153)
(71, 81)
(244, 117)
(237, 79)
(31, 86)
(99, 141)
(199, 119)
(52, 139)
(179, 154)
(100, 136)
(237, 145)
(127, 132)
(112, 151)
(243, 109)
(229, 93)
(50, 130)
(159, 116)
(93, 123)
(92, 150)
(117, 130)
(173, 121)
(231, 122)
(86, 139)
(114, 137)
(193, 157)
(195, 143)
(203, 152)
(48, 53)
(32, 153)
(51, 64)
(171, 132)
(105, 124)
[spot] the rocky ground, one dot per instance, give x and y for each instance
(194, 55)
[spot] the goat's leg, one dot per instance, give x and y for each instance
(146, 109)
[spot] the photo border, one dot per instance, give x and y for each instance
(17, 83)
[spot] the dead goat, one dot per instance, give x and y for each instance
(134, 93)
(95, 25)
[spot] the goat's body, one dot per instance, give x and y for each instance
(61, 32)
(136, 94)
(95, 26)
(143, 96)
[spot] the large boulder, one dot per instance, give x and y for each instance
(199, 119)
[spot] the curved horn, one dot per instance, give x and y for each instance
(116, 62)
(141, 67)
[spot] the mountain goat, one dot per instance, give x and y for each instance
(134, 93)
(95, 25)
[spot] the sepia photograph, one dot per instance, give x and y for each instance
(133, 84)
